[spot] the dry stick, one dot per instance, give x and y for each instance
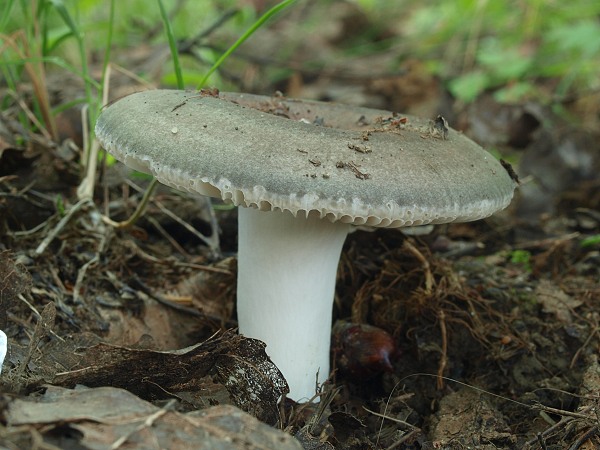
(167, 236)
(128, 73)
(541, 441)
(403, 439)
(585, 437)
(187, 45)
(30, 115)
(44, 324)
(407, 436)
(139, 210)
(143, 288)
(30, 231)
(561, 412)
(90, 156)
(393, 419)
(424, 264)
(85, 134)
(37, 75)
(60, 225)
(444, 356)
(324, 403)
(82, 271)
(37, 314)
(187, 226)
(148, 422)
(203, 268)
(561, 423)
(593, 333)
(542, 243)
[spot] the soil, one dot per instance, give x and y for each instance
(495, 323)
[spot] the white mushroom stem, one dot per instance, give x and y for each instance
(3, 348)
(286, 283)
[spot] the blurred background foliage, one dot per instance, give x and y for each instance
(519, 48)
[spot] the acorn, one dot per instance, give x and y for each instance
(362, 351)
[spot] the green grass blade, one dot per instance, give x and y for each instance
(109, 39)
(255, 26)
(57, 61)
(78, 34)
(5, 14)
(50, 47)
(67, 19)
(172, 44)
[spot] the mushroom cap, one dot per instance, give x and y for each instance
(355, 165)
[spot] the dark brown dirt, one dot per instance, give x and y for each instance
(496, 322)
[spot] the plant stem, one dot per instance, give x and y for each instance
(255, 26)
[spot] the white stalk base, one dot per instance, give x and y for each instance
(287, 270)
(3, 348)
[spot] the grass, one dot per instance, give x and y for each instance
(255, 26)
(511, 48)
(38, 35)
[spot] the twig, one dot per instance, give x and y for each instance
(30, 115)
(444, 355)
(133, 76)
(85, 190)
(187, 45)
(543, 243)
(44, 324)
(204, 268)
(208, 240)
(585, 344)
(139, 212)
(393, 419)
(403, 439)
(60, 225)
(163, 301)
(541, 441)
(82, 271)
(424, 264)
(148, 422)
(539, 437)
(167, 236)
(587, 435)
(562, 412)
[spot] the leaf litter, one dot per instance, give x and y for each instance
(493, 353)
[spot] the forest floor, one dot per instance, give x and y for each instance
(500, 352)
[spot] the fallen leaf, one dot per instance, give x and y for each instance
(254, 383)
(87, 418)
(556, 301)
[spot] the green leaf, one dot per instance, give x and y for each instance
(514, 92)
(504, 64)
(590, 241)
(468, 86)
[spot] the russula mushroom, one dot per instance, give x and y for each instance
(302, 173)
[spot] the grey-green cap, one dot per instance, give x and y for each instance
(350, 164)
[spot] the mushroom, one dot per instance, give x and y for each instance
(3, 348)
(301, 187)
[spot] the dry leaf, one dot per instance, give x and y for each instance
(240, 364)
(88, 418)
(555, 301)
(253, 381)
